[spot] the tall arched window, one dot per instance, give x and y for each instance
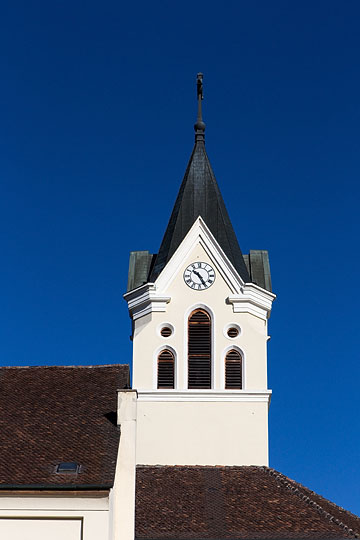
(199, 350)
(233, 370)
(166, 369)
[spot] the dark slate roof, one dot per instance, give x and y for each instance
(233, 503)
(199, 195)
(257, 263)
(139, 268)
(50, 415)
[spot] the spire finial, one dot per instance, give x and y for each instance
(199, 126)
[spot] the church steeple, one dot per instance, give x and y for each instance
(199, 195)
(199, 332)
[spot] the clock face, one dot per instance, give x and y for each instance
(199, 276)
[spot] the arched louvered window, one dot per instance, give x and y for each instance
(166, 369)
(199, 350)
(233, 370)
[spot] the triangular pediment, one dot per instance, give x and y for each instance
(200, 235)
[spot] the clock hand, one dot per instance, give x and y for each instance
(199, 276)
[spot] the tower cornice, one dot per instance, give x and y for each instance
(145, 300)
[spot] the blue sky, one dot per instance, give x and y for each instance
(97, 111)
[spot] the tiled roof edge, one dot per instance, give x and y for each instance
(55, 487)
(89, 366)
(292, 486)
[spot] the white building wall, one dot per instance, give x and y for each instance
(122, 497)
(56, 518)
(202, 433)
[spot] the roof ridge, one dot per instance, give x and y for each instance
(159, 466)
(291, 485)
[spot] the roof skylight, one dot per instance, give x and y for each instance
(67, 467)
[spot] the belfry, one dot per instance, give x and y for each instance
(199, 309)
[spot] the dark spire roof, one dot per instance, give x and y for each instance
(199, 195)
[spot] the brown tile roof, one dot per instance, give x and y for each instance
(233, 502)
(59, 414)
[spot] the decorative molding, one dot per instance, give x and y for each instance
(145, 300)
(253, 299)
(205, 395)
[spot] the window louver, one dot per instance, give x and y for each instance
(199, 350)
(233, 332)
(166, 364)
(166, 331)
(233, 370)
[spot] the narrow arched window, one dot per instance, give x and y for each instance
(166, 369)
(199, 350)
(233, 370)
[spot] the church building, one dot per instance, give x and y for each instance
(183, 454)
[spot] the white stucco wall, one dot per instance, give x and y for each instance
(56, 518)
(34, 529)
(202, 433)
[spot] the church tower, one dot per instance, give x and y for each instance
(199, 311)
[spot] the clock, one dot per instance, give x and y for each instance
(199, 276)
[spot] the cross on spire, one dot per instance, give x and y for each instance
(199, 126)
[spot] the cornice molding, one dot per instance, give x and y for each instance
(253, 299)
(250, 396)
(145, 300)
